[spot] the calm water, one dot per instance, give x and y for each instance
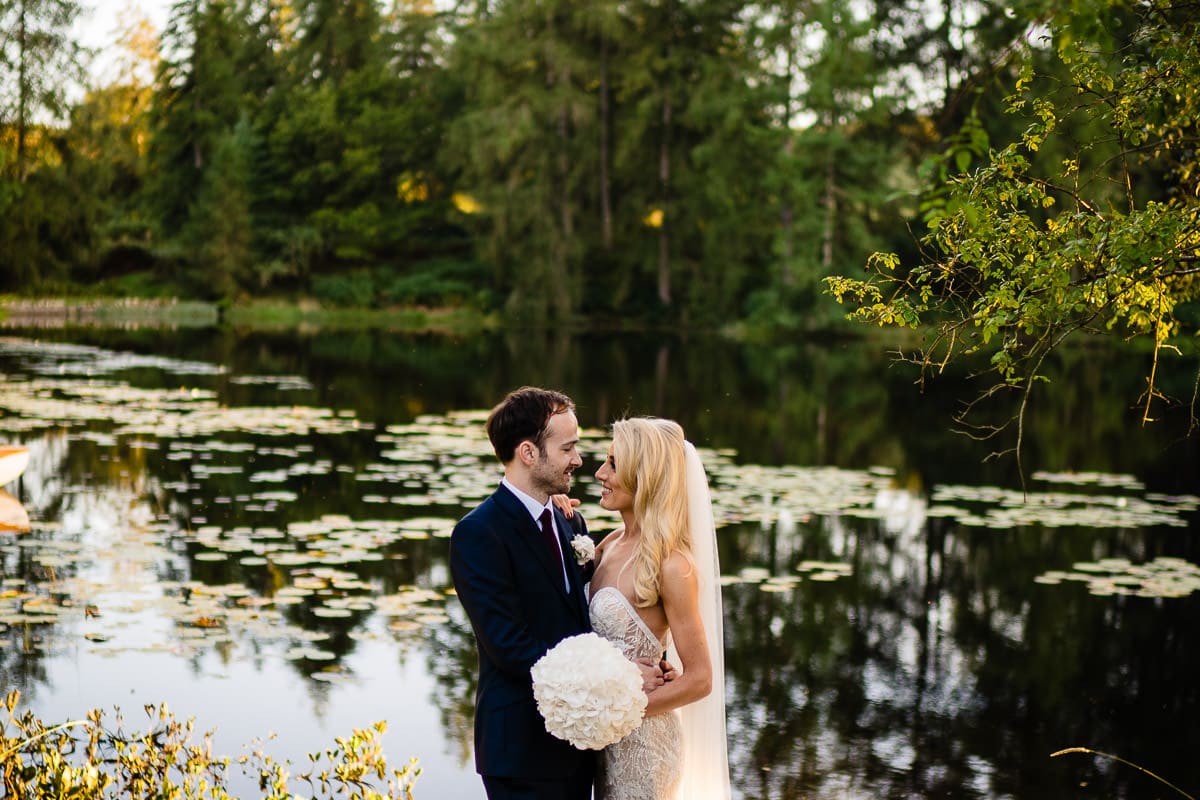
(251, 528)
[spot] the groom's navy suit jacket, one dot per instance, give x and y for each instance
(513, 592)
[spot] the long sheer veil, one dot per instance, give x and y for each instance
(705, 758)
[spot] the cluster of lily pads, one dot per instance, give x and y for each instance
(1163, 577)
(87, 361)
(108, 606)
(158, 412)
(993, 507)
(815, 571)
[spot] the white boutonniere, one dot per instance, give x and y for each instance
(584, 549)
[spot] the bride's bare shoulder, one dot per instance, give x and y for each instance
(608, 539)
(678, 568)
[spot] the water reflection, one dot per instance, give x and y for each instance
(265, 519)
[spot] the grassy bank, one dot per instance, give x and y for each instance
(310, 315)
(57, 312)
(22, 312)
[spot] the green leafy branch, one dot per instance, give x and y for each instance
(1025, 250)
(84, 759)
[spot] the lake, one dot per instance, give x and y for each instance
(251, 527)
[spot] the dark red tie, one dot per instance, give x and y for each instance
(548, 535)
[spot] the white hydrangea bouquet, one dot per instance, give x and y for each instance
(588, 692)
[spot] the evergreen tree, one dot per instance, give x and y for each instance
(350, 148)
(526, 143)
(201, 96)
(613, 151)
(849, 152)
(110, 126)
(942, 54)
(45, 220)
(38, 61)
(691, 155)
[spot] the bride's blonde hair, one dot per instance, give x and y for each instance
(650, 464)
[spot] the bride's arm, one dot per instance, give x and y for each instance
(679, 597)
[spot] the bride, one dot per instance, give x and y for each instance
(655, 590)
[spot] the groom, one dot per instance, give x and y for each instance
(523, 592)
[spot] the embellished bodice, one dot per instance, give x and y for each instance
(615, 618)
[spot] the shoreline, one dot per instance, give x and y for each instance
(306, 314)
(172, 313)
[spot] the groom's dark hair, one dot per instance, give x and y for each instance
(523, 415)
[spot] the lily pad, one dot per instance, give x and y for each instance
(1164, 577)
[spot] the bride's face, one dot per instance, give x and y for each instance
(613, 496)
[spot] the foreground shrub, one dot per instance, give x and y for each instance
(85, 759)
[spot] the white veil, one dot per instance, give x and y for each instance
(705, 757)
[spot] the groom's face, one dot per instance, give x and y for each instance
(559, 454)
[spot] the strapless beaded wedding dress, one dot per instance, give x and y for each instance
(645, 764)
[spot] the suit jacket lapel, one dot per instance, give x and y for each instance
(566, 531)
(529, 536)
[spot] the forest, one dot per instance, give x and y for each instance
(693, 162)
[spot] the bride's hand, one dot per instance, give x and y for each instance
(652, 674)
(565, 504)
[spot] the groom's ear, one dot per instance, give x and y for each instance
(527, 452)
